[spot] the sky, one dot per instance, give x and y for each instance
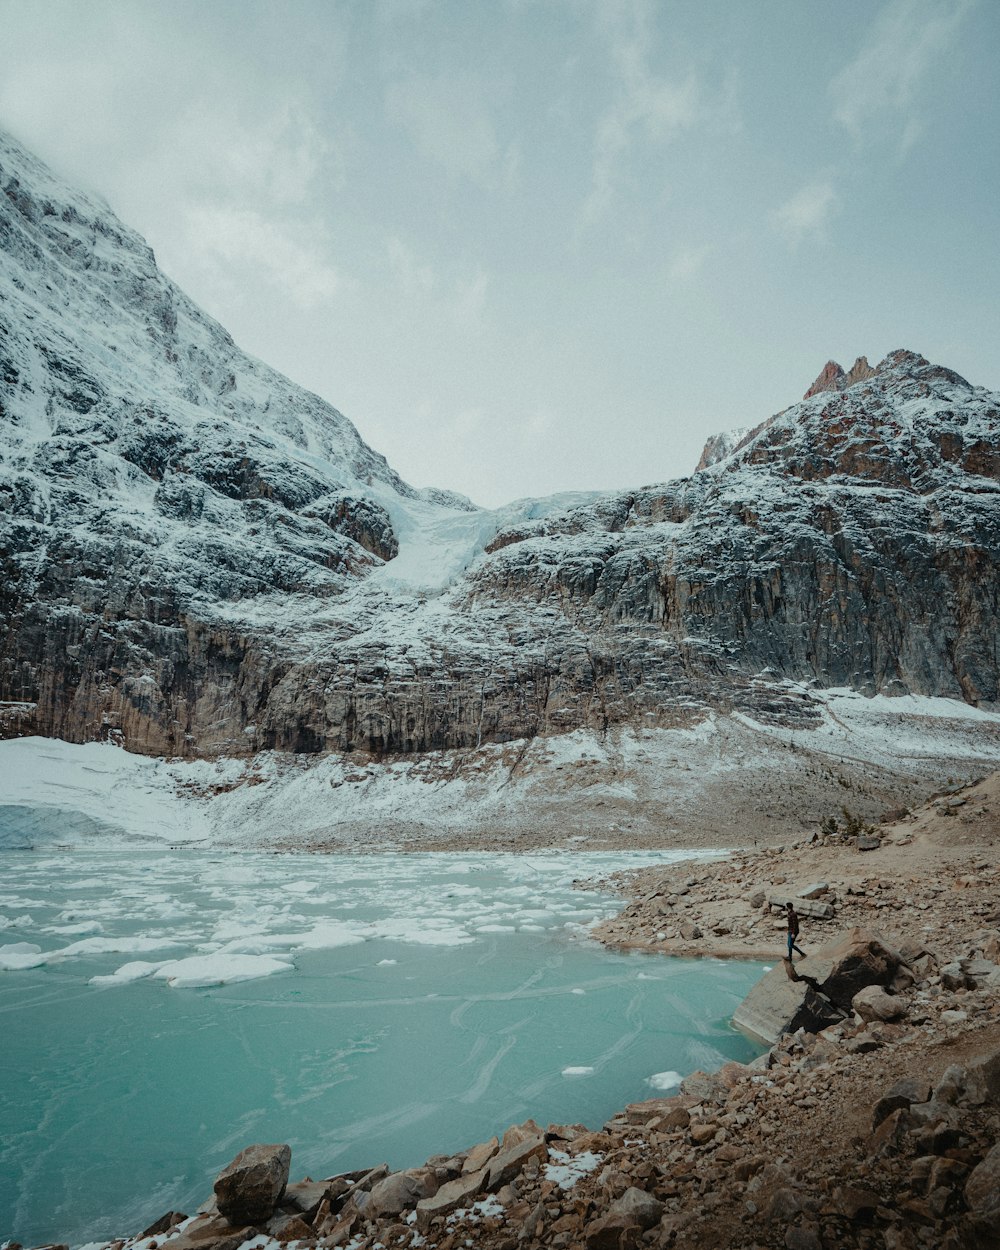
(529, 246)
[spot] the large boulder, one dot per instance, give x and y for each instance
(849, 963)
(873, 1003)
(778, 1005)
(248, 1189)
(402, 1190)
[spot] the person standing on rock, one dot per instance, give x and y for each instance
(793, 930)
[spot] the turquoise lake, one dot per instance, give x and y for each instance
(396, 1006)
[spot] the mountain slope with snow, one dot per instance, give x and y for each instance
(200, 558)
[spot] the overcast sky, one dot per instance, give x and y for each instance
(540, 245)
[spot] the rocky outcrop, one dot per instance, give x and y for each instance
(199, 558)
(833, 378)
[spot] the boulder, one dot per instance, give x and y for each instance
(849, 963)
(865, 842)
(814, 890)
(873, 1003)
(402, 1190)
(480, 1155)
(901, 1094)
(776, 1005)
(705, 1086)
(508, 1163)
(248, 1189)
(982, 1079)
(651, 1108)
(638, 1207)
(607, 1232)
(982, 1189)
(451, 1196)
(287, 1226)
(804, 906)
(304, 1197)
(211, 1230)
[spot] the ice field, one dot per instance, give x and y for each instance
(161, 1011)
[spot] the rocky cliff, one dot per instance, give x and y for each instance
(200, 558)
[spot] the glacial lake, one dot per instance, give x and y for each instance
(395, 1006)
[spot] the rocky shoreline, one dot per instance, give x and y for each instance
(873, 1121)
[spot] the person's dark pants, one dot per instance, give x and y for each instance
(792, 946)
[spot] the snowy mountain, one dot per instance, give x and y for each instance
(200, 558)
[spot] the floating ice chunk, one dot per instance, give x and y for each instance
(425, 932)
(383, 963)
(299, 887)
(566, 1169)
(219, 969)
(577, 1071)
(83, 926)
(17, 956)
(127, 973)
(577, 990)
(329, 934)
(113, 946)
(15, 922)
(495, 928)
(664, 1080)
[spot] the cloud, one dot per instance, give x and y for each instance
(645, 108)
(448, 122)
(881, 87)
(687, 262)
(226, 241)
(807, 212)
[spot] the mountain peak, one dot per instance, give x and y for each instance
(833, 378)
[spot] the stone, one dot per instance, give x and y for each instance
(451, 1195)
(212, 1232)
(802, 1237)
(653, 1108)
(900, 1095)
(814, 890)
(703, 1133)
(953, 976)
(951, 1086)
(890, 1135)
(982, 1079)
(508, 1163)
(288, 1227)
(608, 1232)
(982, 1189)
(804, 906)
(852, 961)
(776, 1005)
(249, 1188)
(402, 1190)
(690, 932)
(162, 1225)
(638, 1207)
(873, 1003)
(855, 1203)
(480, 1155)
(518, 1133)
(305, 1197)
(866, 842)
(705, 1086)
(785, 1204)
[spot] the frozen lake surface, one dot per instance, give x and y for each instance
(161, 1011)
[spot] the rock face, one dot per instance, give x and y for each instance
(198, 557)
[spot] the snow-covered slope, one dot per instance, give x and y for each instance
(200, 558)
